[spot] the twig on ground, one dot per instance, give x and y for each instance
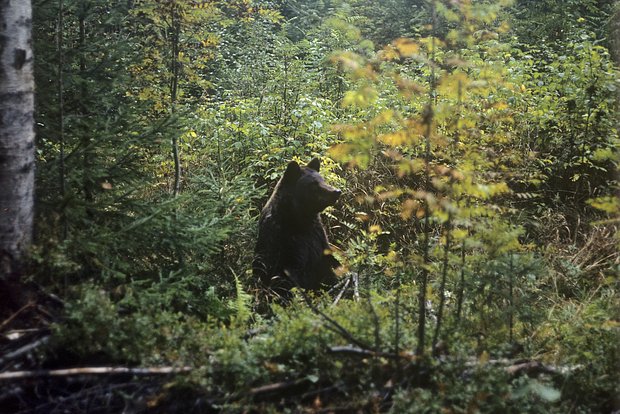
(44, 373)
(23, 350)
(276, 387)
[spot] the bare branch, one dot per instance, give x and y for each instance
(44, 373)
(23, 350)
(13, 316)
(346, 284)
(349, 349)
(278, 386)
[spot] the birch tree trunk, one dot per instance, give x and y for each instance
(16, 140)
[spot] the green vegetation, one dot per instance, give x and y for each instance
(476, 146)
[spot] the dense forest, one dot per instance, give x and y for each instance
(475, 145)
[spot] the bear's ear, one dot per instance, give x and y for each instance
(292, 173)
(315, 164)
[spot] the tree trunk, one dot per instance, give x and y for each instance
(176, 31)
(16, 143)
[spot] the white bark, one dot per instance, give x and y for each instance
(16, 134)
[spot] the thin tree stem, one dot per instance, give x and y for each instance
(428, 120)
(398, 367)
(510, 298)
(61, 121)
(173, 97)
(442, 288)
(87, 162)
(461, 288)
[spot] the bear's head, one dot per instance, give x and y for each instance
(311, 194)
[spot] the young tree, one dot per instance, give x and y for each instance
(16, 141)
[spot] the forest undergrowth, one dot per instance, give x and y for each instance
(476, 147)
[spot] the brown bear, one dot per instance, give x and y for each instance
(292, 248)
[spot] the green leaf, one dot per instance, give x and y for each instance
(545, 392)
(313, 378)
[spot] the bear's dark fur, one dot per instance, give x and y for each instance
(292, 248)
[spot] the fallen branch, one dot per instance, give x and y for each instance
(45, 373)
(23, 350)
(535, 368)
(278, 386)
(512, 367)
(15, 315)
(529, 367)
(364, 352)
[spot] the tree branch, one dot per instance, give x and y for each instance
(23, 350)
(44, 373)
(349, 349)
(14, 315)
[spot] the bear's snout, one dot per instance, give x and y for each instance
(330, 195)
(327, 197)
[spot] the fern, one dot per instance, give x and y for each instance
(241, 304)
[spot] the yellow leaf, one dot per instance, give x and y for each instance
(407, 87)
(361, 216)
(348, 60)
(484, 358)
(361, 99)
(453, 86)
(420, 213)
(406, 47)
(394, 139)
(392, 256)
(447, 13)
(608, 204)
(466, 123)
(603, 154)
(408, 207)
(459, 234)
(388, 53)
